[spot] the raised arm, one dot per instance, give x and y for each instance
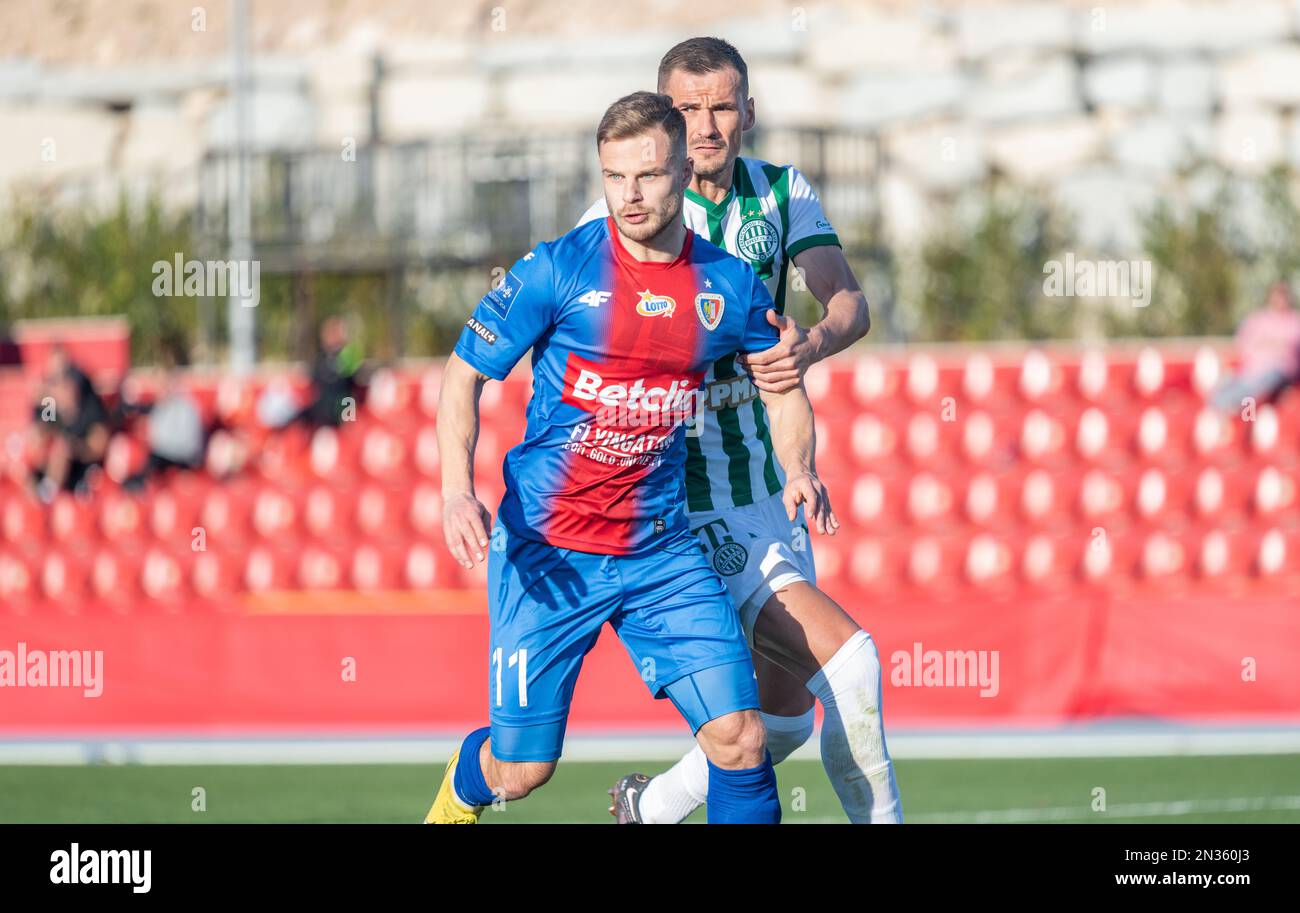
(465, 520)
(846, 320)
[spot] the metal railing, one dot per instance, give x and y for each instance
(467, 200)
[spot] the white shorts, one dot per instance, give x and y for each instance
(756, 551)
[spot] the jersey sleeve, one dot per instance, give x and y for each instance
(808, 225)
(597, 210)
(759, 334)
(511, 317)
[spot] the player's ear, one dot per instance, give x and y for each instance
(688, 171)
(748, 123)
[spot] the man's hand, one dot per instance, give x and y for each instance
(781, 367)
(464, 525)
(805, 488)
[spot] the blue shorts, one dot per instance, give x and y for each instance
(546, 606)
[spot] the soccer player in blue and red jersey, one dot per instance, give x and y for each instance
(624, 317)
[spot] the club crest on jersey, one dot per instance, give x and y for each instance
(709, 305)
(652, 305)
(756, 239)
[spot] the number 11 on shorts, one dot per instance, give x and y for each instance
(518, 658)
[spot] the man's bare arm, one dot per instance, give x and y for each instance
(794, 442)
(464, 519)
(846, 320)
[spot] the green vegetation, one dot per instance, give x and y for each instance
(979, 276)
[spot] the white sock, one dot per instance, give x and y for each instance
(680, 790)
(853, 734)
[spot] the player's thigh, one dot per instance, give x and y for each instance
(800, 628)
(779, 692)
(546, 606)
(680, 628)
(757, 551)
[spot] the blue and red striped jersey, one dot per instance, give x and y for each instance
(620, 347)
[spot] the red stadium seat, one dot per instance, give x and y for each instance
(71, 519)
(388, 397)
(162, 579)
(430, 386)
(1092, 379)
(1207, 371)
(1274, 492)
(22, 521)
(1040, 377)
(425, 452)
(121, 519)
(425, 514)
(18, 591)
(114, 580)
(377, 568)
(921, 379)
(874, 383)
(1148, 373)
(872, 440)
(1214, 436)
(989, 561)
(977, 379)
(1042, 437)
(274, 514)
(382, 454)
(320, 568)
(930, 499)
(64, 581)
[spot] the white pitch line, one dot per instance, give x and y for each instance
(1076, 813)
(334, 749)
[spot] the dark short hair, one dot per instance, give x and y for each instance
(640, 112)
(704, 55)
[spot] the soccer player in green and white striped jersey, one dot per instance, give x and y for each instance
(805, 646)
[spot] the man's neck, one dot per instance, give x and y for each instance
(714, 187)
(662, 248)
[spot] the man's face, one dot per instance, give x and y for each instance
(643, 184)
(1279, 297)
(716, 115)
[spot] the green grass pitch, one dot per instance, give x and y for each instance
(1254, 788)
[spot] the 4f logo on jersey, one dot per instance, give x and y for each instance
(652, 305)
(708, 306)
(595, 298)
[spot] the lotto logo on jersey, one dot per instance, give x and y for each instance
(652, 305)
(708, 306)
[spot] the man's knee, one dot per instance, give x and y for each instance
(734, 741)
(516, 779)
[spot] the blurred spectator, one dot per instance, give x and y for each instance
(1268, 342)
(333, 374)
(177, 438)
(72, 429)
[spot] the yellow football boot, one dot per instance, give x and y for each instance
(447, 808)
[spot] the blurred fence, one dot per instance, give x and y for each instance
(476, 199)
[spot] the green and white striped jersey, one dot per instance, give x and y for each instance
(770, 215)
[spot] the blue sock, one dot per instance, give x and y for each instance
(469, 784)
(744, 796)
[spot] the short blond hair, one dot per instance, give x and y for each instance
(640, 112)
